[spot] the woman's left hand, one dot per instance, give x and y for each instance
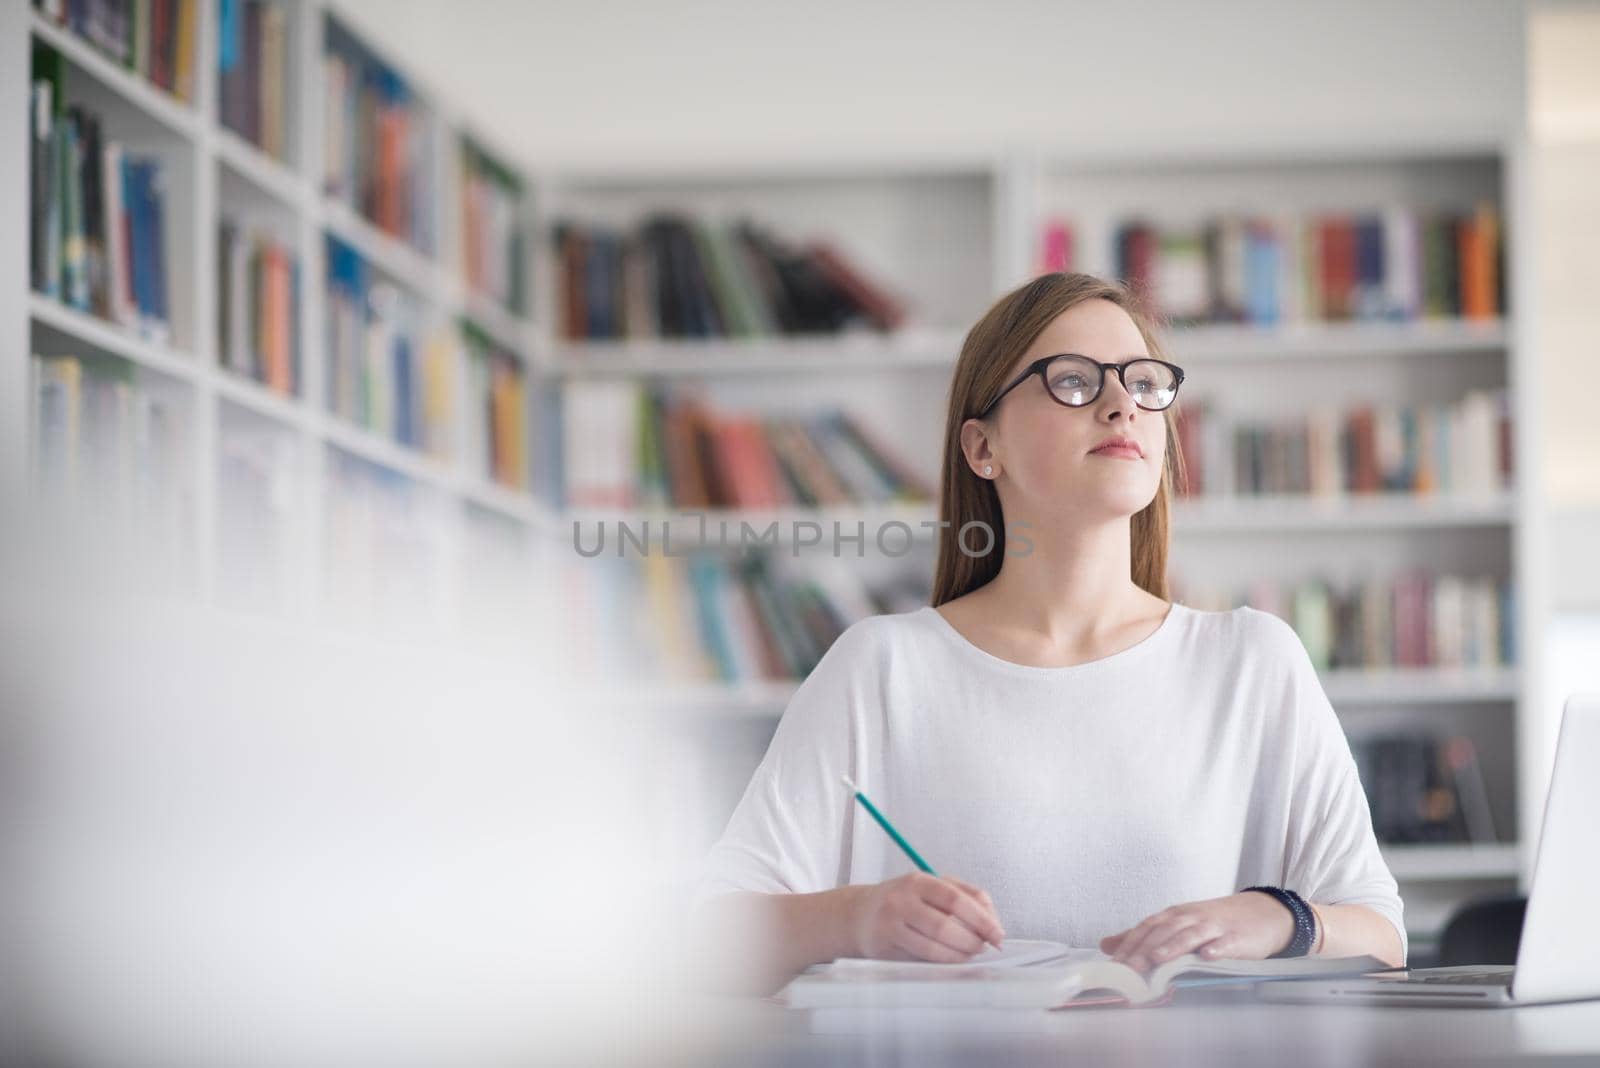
(1244, 926)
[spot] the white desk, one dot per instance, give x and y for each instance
(1218, 1026)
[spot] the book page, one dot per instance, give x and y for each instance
(1285, 968)
(1013, 953)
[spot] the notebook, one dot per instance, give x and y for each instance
(1026, 973)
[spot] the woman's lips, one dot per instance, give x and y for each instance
(1125, 452)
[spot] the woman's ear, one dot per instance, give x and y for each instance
(979, 450)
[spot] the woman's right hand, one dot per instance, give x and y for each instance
(918, 916)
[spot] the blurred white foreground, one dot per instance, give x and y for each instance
(227, 841)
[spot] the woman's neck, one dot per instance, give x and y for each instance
(1068, 598)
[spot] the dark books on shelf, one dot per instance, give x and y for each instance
(631, 446)
(258, 292)
(1392, 264)
(1424, 788)
(678, 277)
(97, 211)
(155, 39)
(253, 49)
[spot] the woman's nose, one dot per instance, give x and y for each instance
(1115, 399)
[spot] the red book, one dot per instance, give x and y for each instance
(1141, 262)
(1338, 267)
(1363, 475)
(1055, 247)
(885, 311)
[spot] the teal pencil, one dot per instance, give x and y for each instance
(887, 826)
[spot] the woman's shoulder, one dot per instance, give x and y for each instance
(875, 634)
(1249, 631)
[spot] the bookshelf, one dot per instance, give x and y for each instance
(289, 496)
(269, 464)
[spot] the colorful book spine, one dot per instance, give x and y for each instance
(630, 446)
(1394, 264)
(378, 141)
(1461, 448)
(1413, 619)
(155, 39)
(491, 233)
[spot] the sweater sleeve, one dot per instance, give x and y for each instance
(789, 832)
(1331, 856)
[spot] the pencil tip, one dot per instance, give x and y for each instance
(846, 780)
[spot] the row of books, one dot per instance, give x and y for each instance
(258, 290)
(1413, 619)
(155, 39)
(674, 276)
(497, 388)
(253, 46)
(627, 445)
(1460, 448)
(101, 437)
(713, 618)
(1397, 264)
(1424, 788)
(378, 141)
(491, 231)
(97, 211)
(383, 373)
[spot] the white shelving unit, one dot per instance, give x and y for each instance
(950, 235)
(213, 171)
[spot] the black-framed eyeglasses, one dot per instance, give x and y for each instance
(1075, 381)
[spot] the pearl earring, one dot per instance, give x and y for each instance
(987, 470)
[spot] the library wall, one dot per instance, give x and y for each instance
(783, 81)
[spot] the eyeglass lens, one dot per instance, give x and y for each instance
(1077, 380)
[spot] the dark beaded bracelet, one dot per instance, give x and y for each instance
(1305, 924)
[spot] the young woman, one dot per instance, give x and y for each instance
(1103, 767)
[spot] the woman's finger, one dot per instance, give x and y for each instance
(982, 895)
(983, 898)
(957, 902)
(1136, 950)
(1186, 940)
(919, 945)
(943, 927)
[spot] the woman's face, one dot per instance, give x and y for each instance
(1054, 456)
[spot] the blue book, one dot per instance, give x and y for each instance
(133, 183)
(705, 573)
(227, 35)
(1262, 258)
(1368, 292)
(158, 243)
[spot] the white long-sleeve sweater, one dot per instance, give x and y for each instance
(1201, 760)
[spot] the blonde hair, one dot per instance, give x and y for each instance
(991, 347)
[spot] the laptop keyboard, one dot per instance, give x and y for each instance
(1473, 978)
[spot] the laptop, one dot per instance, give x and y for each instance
(1556, 959)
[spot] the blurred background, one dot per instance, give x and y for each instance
(425, 422)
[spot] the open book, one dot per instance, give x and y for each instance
(1034, 974)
